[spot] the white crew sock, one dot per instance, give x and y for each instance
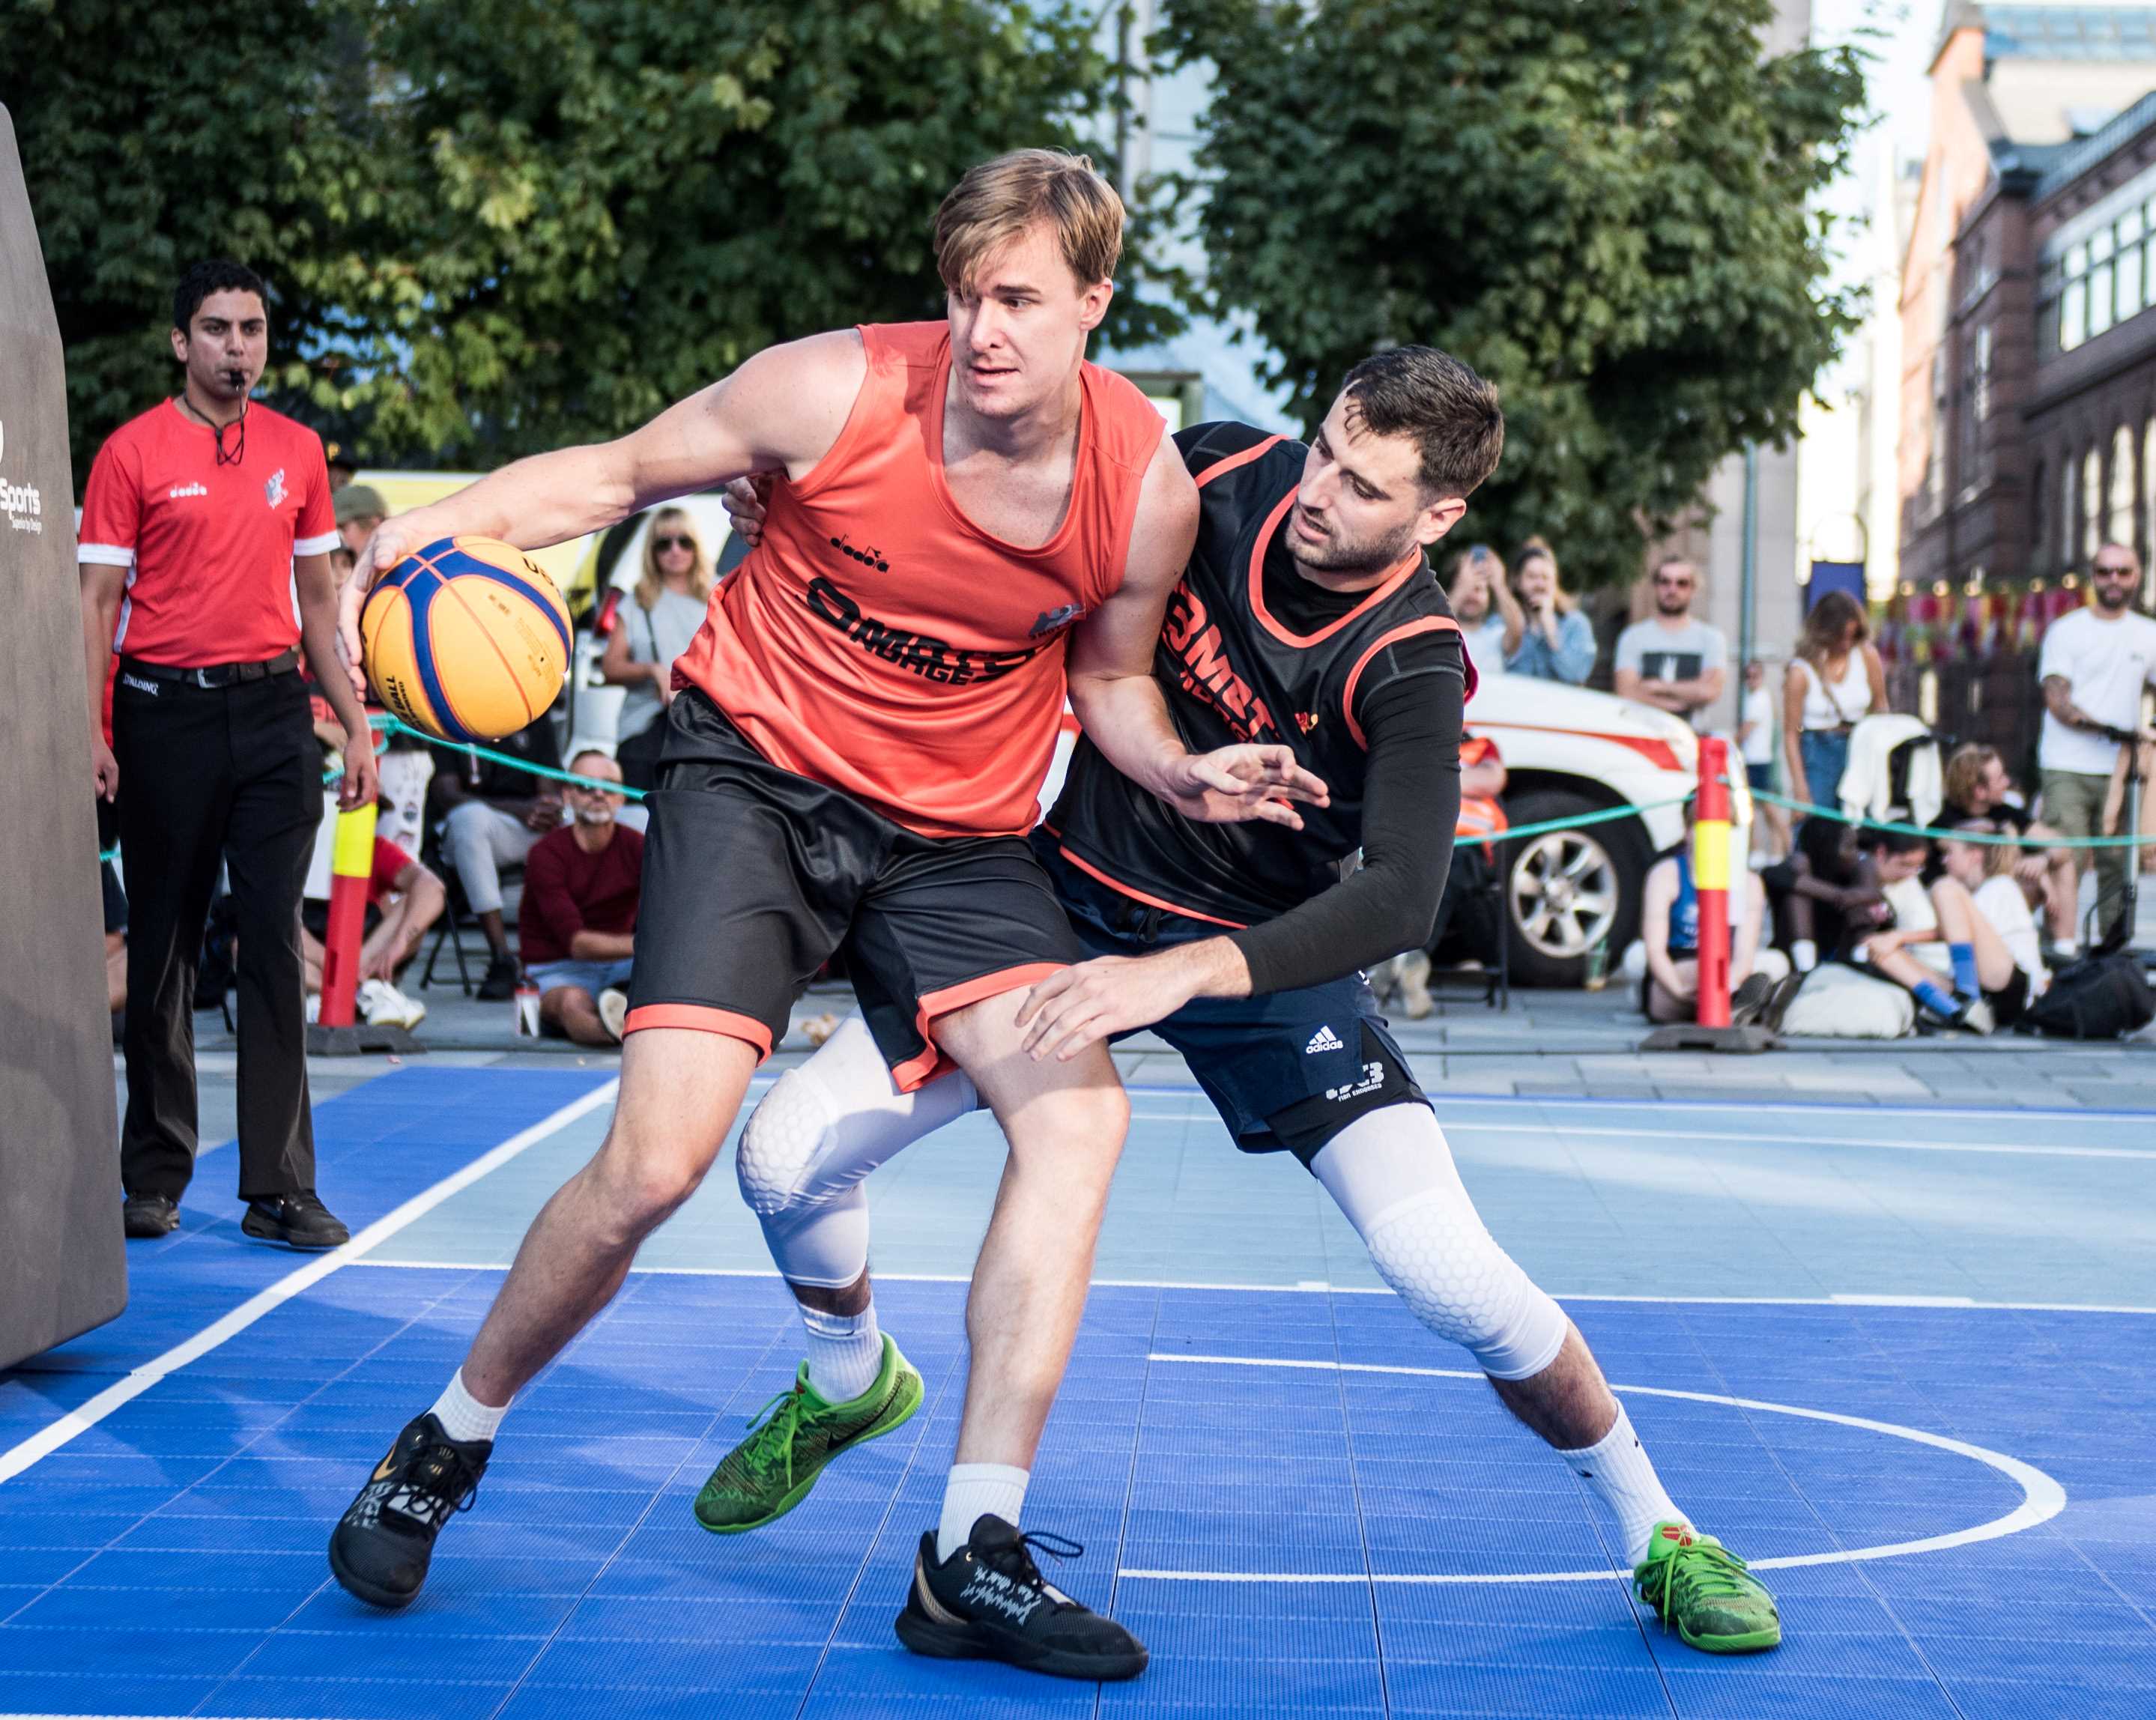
(1804, 955)
(1618, 1468)
(845, 1353)
(463, 1416)
(975, 1490)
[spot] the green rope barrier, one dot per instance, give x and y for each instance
(395, 726)
(1580, 821)
(1979, 837)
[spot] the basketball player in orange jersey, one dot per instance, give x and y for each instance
(965, 515)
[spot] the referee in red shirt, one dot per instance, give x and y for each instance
(204, 553)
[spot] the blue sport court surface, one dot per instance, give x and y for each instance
(1898, 1357)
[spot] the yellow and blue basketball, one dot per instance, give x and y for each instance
(467, 640)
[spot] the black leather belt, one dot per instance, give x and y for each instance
(216, 675)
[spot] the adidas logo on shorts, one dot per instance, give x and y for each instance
(1324, 1040)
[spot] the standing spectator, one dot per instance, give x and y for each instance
(1671, 660)
(578, 921)
(221, 508)
(360, 509)
(1978, 788)
(1558, 640)
(1490, 619)
(666, 609)
(2095, 664)
(1834, 678)
(1757, 732)
(496, 813)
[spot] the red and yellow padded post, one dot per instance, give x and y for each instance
(351, 864)
(1710, 877)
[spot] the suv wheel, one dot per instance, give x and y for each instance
(1569, 890)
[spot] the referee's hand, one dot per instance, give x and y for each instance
(361, 783)
(103, 769)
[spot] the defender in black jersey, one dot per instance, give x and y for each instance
(1308, 615)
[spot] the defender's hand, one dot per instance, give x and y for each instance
(1078, 1006)
(1232, 784)
(746, 501)
(393, 541)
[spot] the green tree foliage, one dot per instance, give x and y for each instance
(155, 134)
(495, 226)
(1602, 206)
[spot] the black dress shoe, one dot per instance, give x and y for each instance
(500, 981)
(296, 1221)
(147, 1215)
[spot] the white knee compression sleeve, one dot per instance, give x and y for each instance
(1393, 1175)
(819, 1131)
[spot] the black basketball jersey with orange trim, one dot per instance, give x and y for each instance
(1234, 670)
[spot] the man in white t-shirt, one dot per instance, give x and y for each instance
(1670, 660)
(2095, 663)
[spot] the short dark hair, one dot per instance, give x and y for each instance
(1451, 413)
(218, 274)
(1894, 841)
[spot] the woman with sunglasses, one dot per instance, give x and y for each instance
(670, 600)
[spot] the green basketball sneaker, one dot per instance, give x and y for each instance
(794, 1436)
(1703, 1591)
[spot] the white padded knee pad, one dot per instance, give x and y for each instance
(817, 1134)
(1393, 1176)
(1452, 1273)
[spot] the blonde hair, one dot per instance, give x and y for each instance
(999, 200)
(1966, 770)
(650, 582)
(1999, 858)
(1538, 548)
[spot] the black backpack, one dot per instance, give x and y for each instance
(2097, 998)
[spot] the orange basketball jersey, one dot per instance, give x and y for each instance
(878, 641)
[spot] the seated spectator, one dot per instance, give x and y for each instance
(1459, 934)
(1822, 893)
(578, 921)
(404, 898)
(1987, 870)
(1937, 946)
(1557, 642)
(496, 813)
(1977, 787)
(1669, 930)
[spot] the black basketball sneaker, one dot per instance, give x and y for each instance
(988, 1602)
(380, 1548)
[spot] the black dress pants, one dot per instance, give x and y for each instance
(230, 774)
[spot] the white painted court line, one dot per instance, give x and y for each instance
(80, 1419)
(1850, 1299)
(2042, 1497)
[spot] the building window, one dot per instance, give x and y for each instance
(2091, 504)
(2100, 299)
(2039, 527)
(2073, 298)
(2066, 482)
(1935, 468)
(2118, 519)
(1980, 393)
(2132, 272)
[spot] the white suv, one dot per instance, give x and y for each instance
(1568, 750)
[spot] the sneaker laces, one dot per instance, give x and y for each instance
(771, 1433)
(1710, 1570)
(440, 1469)
(1015, 1559)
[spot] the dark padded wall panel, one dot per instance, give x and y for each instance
(63, 1260)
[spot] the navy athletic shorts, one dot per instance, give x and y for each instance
(754, 877)
(1287, 1070)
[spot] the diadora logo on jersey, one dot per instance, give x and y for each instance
(929, 658)
(1202, 670)
(994, 1590)
(867, 557)
(1374, 1077)
(1050, 619)
(181, 492)
(274, 489)
(1306, 721)
(1324, 1040)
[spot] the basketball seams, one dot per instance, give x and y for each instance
(486, 633)
(421, 601)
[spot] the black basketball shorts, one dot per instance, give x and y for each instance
(754, 877)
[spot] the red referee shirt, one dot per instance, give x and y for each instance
(209, 547)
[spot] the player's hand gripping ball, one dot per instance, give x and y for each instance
(467, 640)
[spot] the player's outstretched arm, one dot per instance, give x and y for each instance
(1123, 710)
(782, 408)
